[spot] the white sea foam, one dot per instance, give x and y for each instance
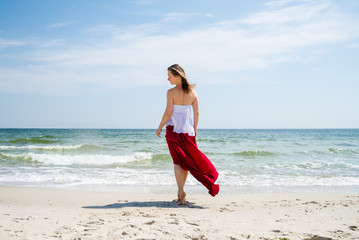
(46, 147)
(56, 177)
(270, 180)
(97, 159)
(115, 176)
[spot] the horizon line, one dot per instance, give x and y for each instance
(299, 128)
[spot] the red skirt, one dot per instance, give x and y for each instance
(184, 151)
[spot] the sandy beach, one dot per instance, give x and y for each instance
(36, 213)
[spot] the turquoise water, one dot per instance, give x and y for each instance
(313, 160)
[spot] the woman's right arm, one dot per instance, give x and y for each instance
(167, 114)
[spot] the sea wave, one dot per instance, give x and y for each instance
(46, 147)
(217, 140)
(254, 153)
(46, 136)
(229, 178)
(348, 151)
(162, 156)
(115, 176)
(314, 166)
(124, 176)
(32, 140)
(86, 159)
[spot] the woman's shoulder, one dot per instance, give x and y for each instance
(193, 93)
(171, 92)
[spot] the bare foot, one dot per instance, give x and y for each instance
(177, 199)
(183, 199)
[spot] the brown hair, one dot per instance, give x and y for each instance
(177, 70)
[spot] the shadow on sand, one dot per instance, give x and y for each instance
(158, 204)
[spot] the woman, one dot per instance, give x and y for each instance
(181, 132)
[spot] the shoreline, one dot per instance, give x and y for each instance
(43, 213)
(197, 189)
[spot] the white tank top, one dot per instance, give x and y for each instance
(182, 119)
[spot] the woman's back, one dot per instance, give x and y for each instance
(179, 97)
(181, 117)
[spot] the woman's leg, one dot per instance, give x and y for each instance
(181, 176)
(185, 175)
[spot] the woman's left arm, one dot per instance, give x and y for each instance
(167, 114)
(195, 114)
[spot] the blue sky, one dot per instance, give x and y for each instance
(103, 64)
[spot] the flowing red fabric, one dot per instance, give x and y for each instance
(184, 151)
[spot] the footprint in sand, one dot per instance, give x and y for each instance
(224, 209)
(93, 223)
(315, 237)
(130, 230)
(201, 237)
(353, 228)
(99, 222)
(15, 220)
(312, 202)
(194, 224)
(147, 215)
(150, 223)
(129, 226)
(126, 214)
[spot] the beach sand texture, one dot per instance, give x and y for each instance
(36, 213)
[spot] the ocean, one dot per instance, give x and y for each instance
(248, 161)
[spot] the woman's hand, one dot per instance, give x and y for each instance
(158, 132)
(167, 114)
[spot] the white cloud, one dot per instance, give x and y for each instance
(288, 15)
(354, 45)
(141, 2)
(139, 55)
(181, 17)
(5, 43)
(280, 3)
(59, 25)
(175, 16)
